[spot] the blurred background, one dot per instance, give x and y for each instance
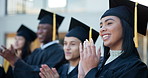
(13, 13)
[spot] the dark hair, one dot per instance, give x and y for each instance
(26, 49)
(128, 45)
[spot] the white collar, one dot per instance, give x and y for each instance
(49, 44)
(70, 69)
(113, 55)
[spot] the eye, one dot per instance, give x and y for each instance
(100, 26)
(109, 23)
(65, 43)
(72, 44)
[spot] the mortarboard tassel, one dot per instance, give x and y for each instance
(54, 27)
(90, 33)
(6, 65)
(135, 26)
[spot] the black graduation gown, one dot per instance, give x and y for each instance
(129, 67)
(2, 72)
(53, 56)
(9, 73)
(63, 72)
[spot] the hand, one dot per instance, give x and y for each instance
(47, 72)
(88, 57)
(81, 72)
(9, 55)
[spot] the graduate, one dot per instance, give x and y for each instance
(50, 52)
(121, 58)
(22, 45)
(78, 33)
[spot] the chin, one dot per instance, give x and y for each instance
(106, 44)
(68, 58)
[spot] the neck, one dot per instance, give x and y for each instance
(19, 50)
(46, 42)
(116, 46)
(74, 62)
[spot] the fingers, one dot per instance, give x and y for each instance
(85, 48)
(4, 47)
(81, 51)
(99, 53)
(13, 51)
(56, 75)
(88, 47)
(42, 75)
(45, 70)
(1, 50)
(54, 71)
(93, 48)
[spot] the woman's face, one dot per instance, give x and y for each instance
(19, 42)
(71, 48)
(111, 32)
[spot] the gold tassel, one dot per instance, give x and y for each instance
(6, 65)
(54, 27)
(90, 33)
(135, 27)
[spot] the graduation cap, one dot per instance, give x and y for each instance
(46, 17)
(81, 31)
(27, 33)
(139, 14)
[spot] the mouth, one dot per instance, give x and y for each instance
(67, 53)
(106, 36)
(40, 36)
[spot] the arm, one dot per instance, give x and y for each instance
(50, 59)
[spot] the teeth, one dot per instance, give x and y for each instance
(40, 36)
(105, 36)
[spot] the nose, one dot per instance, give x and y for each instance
(103, 29)
(67, 47)
(39, 31)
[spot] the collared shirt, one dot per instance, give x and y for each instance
(70, 69)
(48, 44)
(113, 55)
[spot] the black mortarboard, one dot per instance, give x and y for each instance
(122, 12)
(46, 17)
(80, 30)
(142, 13)
(27, 33)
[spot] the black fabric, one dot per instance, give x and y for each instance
(81, 31)
(129, 67)
(46, 17)
(9, 73)
(53, 56)
(63, 72)
(2, 72)
(27, 33)
(122, 12)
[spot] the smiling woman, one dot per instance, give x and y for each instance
(121, 58)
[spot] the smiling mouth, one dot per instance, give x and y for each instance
(68, 53)
(105, 37)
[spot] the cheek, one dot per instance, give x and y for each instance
(21, 43)
(76, 51)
